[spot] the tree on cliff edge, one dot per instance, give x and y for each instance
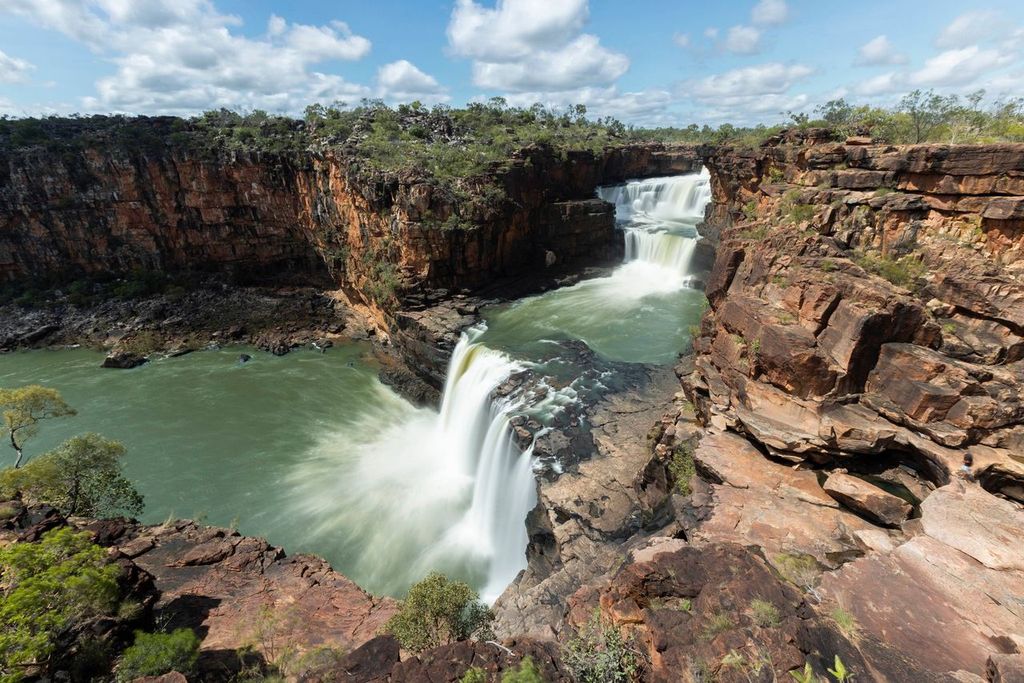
(24, 408)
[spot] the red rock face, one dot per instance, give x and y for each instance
(275, 217)
(866, 299)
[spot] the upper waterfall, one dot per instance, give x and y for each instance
(659, 217)
(680, 198)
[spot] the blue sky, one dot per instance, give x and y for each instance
(648, 62)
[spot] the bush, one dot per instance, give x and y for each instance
(82, 476)
(682, 468)
(902, 272)
(49, 589)
(438, 611)
(155, 654)
(765, 613)
(526, 672)
(600, 654)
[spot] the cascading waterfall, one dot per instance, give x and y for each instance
(659, 217)
(444, 490)
(479, 431)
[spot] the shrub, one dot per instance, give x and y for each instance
(155, 654)
(765, 613)
(600, 654)
(846, 622)
(526, 672)
(82, 476)
(902, 272)
(682, 468)
(49, 589)
(474, 675)
(720, 623)
(439, 611)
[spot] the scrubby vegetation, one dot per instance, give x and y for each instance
(48, 590)
(682, 468)
(599, 653)
(903, 271)
(155, 654)
(438, 611)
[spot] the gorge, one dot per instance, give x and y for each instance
(861, 331)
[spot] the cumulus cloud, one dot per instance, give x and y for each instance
(770, 12)
(681, 40)
(970, 28)
(879, 51)
(959, 67)
(181, 56)
(532, 45)
(752, 81)
(403, 81)
(743, 40)
(12, 69)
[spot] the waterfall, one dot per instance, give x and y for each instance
(478, 430)
(658, 217)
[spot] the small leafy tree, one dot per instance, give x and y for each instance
(48, 588)
(82, 476)
(156, 654)
(439, 611)
(526, 672)
(24, 408)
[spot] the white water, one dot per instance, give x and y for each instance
(423, 490)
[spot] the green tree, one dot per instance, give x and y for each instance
(82, 476)
(438, 611)
(24, 408)
(156, 654)
(526, 672)
(47, 589)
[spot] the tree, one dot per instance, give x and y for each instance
(156, 654)
(23, 408)
(49, 589)
(927, 111)
(438, 611)
(82, 476)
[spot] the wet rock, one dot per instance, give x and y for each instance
(866, 499)
(123, 360)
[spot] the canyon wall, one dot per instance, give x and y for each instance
(280, 218)
(866, 300)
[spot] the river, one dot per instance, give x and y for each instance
(313, 453)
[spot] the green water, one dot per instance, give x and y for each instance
(211, 438)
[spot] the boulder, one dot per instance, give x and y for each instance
(123, 360)
(867, 499)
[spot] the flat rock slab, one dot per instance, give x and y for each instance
(781, 509)
(950, 597)
(230, 588)
(866, 499)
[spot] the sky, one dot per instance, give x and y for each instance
(646, 62)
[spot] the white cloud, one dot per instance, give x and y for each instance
(769, 12)
(711, 32)
(402, 81)
(743, 40)
(514, 28)
(580, 63)
(532, 45)
(879, 51)
(12, 69)
(181, 56)
(971, 28)
(881, 85)
(752, 81)
(681, 40)
(959, 67)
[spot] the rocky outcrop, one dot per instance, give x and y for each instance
(863, 304)
(718, 612)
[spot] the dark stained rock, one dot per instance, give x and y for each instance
(123, 360)
(448, 664)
